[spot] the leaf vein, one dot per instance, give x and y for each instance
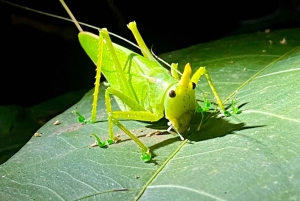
(47, 188)
(188, 189)
(79, 181)
(279, 72)
(271, 114)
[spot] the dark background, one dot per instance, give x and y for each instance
(41, 57)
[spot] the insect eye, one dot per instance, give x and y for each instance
(172, 94)
(194, 85)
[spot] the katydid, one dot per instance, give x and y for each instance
(143, 88)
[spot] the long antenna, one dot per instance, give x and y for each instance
(78, 23)
(69, 20)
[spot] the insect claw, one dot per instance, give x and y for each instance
(81, 118)
(235, 108)
(146, 156)
(227, 114)
(109, 142)
(98, 141)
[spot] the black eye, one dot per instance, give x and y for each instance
(172, 94)
(194, 85)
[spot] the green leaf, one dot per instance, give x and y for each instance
(250, 156)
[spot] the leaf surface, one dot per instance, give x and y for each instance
(250, 156)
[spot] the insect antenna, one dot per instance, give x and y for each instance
(77, 23)
(164, 62)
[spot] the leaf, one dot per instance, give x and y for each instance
(250, 156)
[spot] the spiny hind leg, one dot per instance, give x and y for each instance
(140, 41)
(146, 52)
(104, 38)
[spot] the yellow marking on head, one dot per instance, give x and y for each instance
(185, 78)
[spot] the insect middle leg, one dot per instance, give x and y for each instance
(137, 113)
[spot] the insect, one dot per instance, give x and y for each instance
(142, 87)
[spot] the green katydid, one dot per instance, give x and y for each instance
(142, 87)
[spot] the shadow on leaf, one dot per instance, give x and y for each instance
(212, 127)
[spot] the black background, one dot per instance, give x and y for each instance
(41, 57)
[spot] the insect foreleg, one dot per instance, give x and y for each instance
(202, 71)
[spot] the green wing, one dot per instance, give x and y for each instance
(148, 79)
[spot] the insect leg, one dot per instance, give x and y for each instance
(145, 51)
(104, 39)
(137, 113)
(174, 71)
(98, 76)
(196, 77)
